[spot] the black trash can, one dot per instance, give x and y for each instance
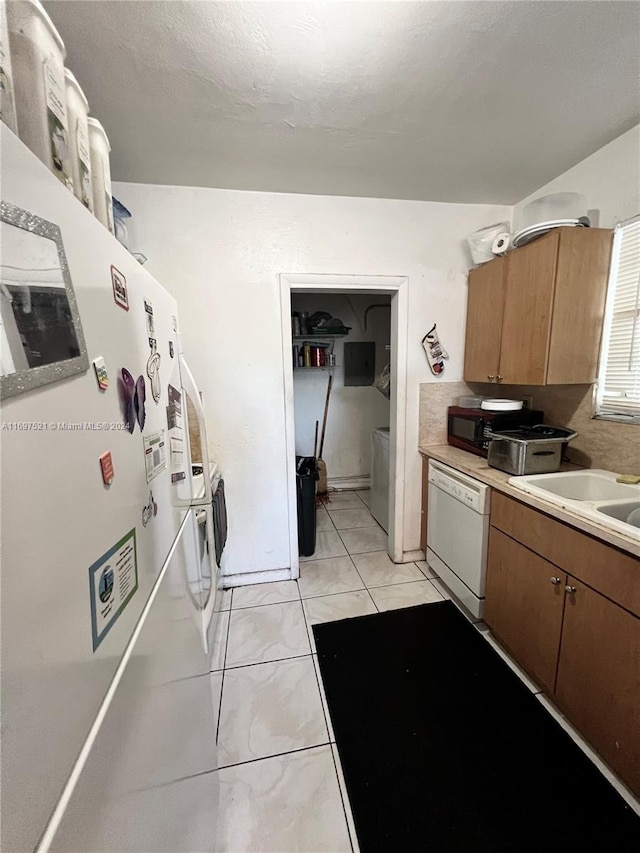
(306, 476)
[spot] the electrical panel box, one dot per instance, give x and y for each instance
(359, 363)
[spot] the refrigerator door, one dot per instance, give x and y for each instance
(147, 782)
(195, 489)
(79, 558)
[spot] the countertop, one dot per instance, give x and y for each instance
(477, 466)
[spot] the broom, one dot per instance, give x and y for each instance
(321, 487)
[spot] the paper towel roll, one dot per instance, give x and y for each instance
(501, 244)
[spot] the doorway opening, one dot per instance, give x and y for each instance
(354, 330)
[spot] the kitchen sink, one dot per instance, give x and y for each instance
(594, 494)
(627, 511)
(582, 485)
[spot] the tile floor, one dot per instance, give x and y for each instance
(276, 746)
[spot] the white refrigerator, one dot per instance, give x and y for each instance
(108, 583)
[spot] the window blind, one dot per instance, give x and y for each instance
(618, 392)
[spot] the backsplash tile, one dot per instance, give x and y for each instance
(600, 444)
(435, 398)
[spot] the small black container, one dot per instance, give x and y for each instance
(306, 476)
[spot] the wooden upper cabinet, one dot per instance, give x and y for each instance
(526, 322)
(535, 317)
(484, 321)
(584, 256)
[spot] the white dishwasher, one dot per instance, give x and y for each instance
(458, 533)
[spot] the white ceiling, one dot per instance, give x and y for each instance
(447, 101)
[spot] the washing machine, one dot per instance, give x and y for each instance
(380, 476)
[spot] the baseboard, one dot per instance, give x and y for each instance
(344, 484)
(412, 556)
(246, 578)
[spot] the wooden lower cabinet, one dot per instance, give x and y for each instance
(425, 503)
(524, 603)
(575, 630)
(598, 683)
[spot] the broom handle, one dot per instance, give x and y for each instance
(324, 420)
(315, 442)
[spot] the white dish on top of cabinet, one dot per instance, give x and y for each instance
(527, 234)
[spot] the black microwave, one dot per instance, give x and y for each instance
(471, 429)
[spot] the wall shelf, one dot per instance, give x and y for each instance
(314, 343)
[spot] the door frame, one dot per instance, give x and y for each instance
(398, 288)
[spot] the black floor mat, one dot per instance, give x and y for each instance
(443, 748)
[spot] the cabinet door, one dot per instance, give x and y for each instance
(598, 685)
(484, 322)
(526, 322)
(524, 603)
(578, 307)
(425, 503)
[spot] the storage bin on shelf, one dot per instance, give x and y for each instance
(100, 173)
(7, 100)
(37, 60)
(80, 158)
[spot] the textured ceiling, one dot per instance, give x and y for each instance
(447, 101)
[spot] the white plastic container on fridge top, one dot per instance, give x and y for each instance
(37, 59)
(80, 158)
(7, 100)
(100, 173)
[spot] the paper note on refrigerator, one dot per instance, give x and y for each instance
(155, 458)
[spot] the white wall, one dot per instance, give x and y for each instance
(353, 411)
(220, 252)
(609, 178)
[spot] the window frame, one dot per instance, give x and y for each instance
(617, 417)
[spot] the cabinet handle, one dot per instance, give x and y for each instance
(570, 589)
(490, 377)
(499, 378)
(555, 581)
